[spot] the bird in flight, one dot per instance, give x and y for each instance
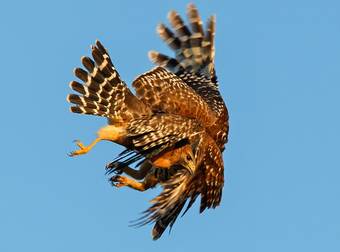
(174, 128)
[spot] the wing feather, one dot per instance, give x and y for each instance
(163, 91)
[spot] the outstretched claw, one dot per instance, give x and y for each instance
(115, 167)
(83, 149)
(119, 181)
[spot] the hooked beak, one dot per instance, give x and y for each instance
(190, 167)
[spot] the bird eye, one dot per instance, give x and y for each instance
(189, 158)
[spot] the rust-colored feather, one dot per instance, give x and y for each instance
(163, 91)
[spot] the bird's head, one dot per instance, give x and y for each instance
(187, 159)
(180, 157)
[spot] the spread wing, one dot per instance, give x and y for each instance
(194, 48)
(102, 92)
(194, 63)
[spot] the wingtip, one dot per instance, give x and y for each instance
(98, 43)
(152, 55)
(172, 14)
(68, 98)
(212, 19)
(160, 28)
(74, 71)
(191, 6)
(70, 84)
(158, 230)
(155, 234)
(83, 58)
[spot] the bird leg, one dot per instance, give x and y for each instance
(109, 132)
(136, 174)
(120, 181)
(83, 149)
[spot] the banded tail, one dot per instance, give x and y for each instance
(103, 92)
(194, 48)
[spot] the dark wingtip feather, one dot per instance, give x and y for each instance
(157, 231)
(76, 109)
(88, 63)
(101, 48)
(80, 74)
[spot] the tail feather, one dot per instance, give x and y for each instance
(103, 93)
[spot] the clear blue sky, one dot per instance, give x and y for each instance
(278, 63)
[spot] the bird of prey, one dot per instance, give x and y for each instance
(175, 126)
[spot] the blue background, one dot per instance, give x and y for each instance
(278, 63)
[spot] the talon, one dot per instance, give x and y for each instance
(82, 149)
(113, 179)
(116, 178)
(80, 144)
(109, 166)
(113, 167)
(118, 181)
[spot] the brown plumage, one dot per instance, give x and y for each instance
(132, 123)
(193, 65)
(176, 120)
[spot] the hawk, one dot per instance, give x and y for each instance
(175, 126)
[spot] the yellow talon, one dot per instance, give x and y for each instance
(83, 149)
(80, 144)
